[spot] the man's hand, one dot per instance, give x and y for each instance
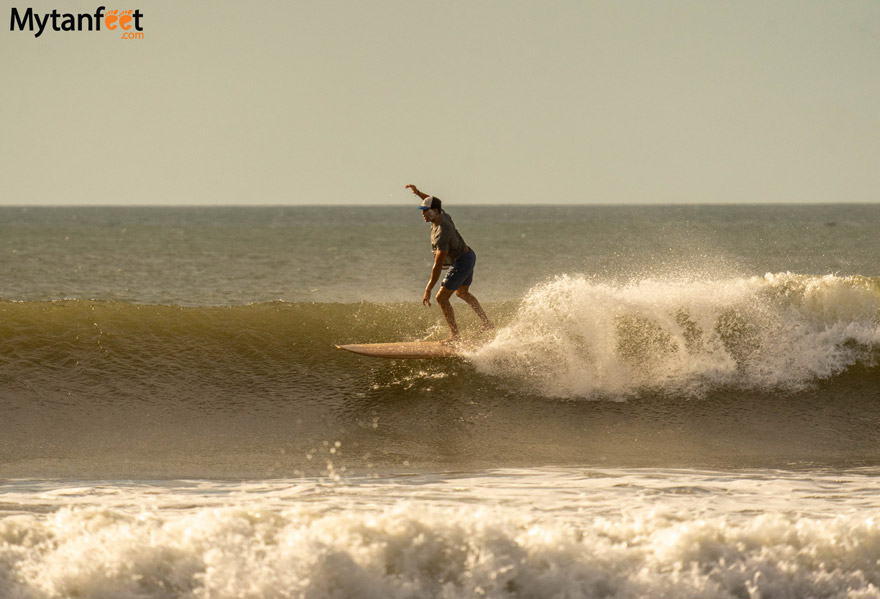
(426, 300)
(416, 191)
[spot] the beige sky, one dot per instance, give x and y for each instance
(504, 101)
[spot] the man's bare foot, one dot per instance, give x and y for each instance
(487, 326)
(452, 340)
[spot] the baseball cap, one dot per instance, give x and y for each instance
(430, 203)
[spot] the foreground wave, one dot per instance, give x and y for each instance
(550, 534)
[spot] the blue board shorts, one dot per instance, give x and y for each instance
(461, 274)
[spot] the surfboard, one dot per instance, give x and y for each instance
(406, 350)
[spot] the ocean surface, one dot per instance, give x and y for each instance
(676, 401)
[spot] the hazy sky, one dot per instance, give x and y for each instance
(319, 102)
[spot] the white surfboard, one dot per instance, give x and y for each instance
(405, 350)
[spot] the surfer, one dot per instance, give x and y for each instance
(450, 250)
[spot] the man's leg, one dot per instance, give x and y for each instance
(474, 303)
(446, 306)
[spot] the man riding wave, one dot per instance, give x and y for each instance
(450, 250)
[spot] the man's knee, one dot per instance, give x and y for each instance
(463, 293)
(443, 296)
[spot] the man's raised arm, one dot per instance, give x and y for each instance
(416, 191)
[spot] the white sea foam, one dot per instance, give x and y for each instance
(548, 534)
(575, 336)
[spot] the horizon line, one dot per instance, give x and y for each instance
(467, 204)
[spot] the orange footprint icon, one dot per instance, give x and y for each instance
(111, 18)
(125, 19)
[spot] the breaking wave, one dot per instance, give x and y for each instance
(771, 370)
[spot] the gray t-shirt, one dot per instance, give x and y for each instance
(446, 237)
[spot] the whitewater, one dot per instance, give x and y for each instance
(676, 402)
(534, 533)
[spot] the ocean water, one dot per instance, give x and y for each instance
(675, 402)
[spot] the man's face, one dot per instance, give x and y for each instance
(428, 215)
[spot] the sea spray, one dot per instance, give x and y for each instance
(576, 336)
